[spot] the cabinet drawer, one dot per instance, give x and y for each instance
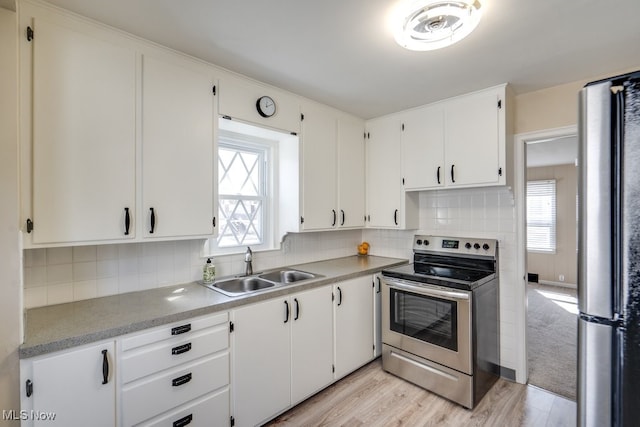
(154, 395)
(209, 410)
(177, 330)
(166, 354)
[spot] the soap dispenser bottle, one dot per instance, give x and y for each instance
(208, 272)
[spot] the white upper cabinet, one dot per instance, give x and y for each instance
(83, 141)
(332, 175)
(423, 148)
(387, 204)
(460, 142)
(351, 172)
(475, 139)
(239, 100)
(177, 148)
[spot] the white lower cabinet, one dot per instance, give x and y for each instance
(282, 353)
(353, 311)
(176, 375)
(70, 388)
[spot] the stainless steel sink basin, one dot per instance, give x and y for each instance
(240, 286)
(287, 276)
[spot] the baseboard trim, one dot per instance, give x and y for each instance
(508, 373)
(561, 284)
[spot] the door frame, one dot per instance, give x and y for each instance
(520, 167)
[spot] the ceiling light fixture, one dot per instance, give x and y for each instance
(434, 24)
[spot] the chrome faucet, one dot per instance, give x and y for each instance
(248, 258)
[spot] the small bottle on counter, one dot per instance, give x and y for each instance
(208, 272)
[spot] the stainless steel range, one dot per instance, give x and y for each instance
(440, 317)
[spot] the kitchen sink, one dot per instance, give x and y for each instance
(287, 276)
(241, 285)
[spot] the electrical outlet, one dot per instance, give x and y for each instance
(561, 277)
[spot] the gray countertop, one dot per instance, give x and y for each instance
(63, 326)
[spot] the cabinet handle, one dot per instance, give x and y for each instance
(105, 367)
(183, 421)
(438, 174)
(395, 216)
(181, 329)
(453, 174)
(297, 309)
(176, 382)
(181, 349)
(342, 211)
(286, 318)
(127, 221)
(339, 296)
(379, 285)
(153, 220)
(334, 217)
(29, 387)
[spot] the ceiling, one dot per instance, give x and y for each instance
(342, 53)
(552, 152)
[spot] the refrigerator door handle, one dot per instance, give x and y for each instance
(595, 274)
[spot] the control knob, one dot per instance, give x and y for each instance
(467, 245)
(485, 247)
(426, 243)
(476, 245)
(418, 242)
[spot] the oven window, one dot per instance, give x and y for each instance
(426, 318)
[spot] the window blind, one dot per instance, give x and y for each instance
(541, 216)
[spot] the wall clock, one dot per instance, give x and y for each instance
(266, 106)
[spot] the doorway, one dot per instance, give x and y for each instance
(550, 300)
(551, 250)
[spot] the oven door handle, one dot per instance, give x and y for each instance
(424, 290)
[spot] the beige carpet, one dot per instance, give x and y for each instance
(552, 338)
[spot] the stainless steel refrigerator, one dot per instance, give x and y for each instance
(609, 253)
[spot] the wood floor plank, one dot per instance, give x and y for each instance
(372, 397)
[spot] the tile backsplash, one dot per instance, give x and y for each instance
(59, 275)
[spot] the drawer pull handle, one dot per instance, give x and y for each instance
(181, 329)
(181, 380)
(105, 367)
(181, 349)
(183, 421)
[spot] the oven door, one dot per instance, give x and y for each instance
(429, 321)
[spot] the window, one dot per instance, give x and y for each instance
(541, 216)
(242, 188)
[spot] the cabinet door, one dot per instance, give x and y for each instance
(423, 148)
(71, 386)
(261, 361)
(84, 109)
(384, 183)
(177, 149)
(311, 342)
(472, 140)
(351, 172)
(353, 325)
(319, 170)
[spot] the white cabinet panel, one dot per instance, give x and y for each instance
(71, 385)
(84, 109)
(311, 342)
(319, 169)
(472, 149)
(177, 149)
(423, 148)
(353, 311)
(351, 172)
(261, 361)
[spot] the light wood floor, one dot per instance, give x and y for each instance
(372, 397)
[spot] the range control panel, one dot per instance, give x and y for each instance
(457, 245)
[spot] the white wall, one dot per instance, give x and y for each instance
(58, 275)
(10, 291)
